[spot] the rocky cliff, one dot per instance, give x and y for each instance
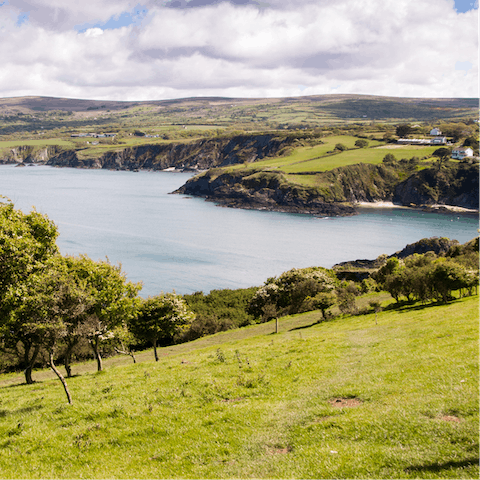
(28, 154)
(337, 191)
(452, 184)
(261, 190)
(196, 155)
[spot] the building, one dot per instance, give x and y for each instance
(435, 131)
(461, 152)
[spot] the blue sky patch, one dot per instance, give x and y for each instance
(124, 19)
(462, 6)
(22, 18)
(463, 66)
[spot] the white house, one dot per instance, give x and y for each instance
(439, 141)
(435, 131)
(462, 152)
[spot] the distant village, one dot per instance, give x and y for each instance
(102, 135)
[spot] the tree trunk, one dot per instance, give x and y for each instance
(94, 344)
(59, 375)
(30, 362)
(68, 358)
(155, 349)
(126, 352)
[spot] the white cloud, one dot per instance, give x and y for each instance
(93, 32)
(389, 47)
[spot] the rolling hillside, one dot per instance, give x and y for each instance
(349, 398)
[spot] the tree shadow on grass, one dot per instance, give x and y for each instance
(303, 327)
(405, 307)
(439, 467)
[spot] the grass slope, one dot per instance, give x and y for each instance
(319, 158)
(343, 399)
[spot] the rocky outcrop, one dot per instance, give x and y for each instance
(27, 154)
(261, 191)
(455, 184)
(439, 246)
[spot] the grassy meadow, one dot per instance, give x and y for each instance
(348, 398)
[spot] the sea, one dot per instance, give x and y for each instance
(179, 243)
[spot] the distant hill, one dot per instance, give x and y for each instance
(340, 106)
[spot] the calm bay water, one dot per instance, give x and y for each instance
(175, 242)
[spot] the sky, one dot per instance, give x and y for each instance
(157, 49)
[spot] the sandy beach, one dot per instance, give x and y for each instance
(453, 208)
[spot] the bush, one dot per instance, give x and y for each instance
(361, 143)
(218, 311)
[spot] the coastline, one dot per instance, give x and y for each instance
(435, 207)
(380, 204)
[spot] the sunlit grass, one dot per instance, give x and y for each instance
(36, 143)
(265, 406)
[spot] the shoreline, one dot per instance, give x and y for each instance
(379, 205)
(450, 208)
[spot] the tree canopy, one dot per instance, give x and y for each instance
(161, 317)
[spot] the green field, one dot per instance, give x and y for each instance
(44, 142)
(347, 398)
(321, 158)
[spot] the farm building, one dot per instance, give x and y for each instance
(462, 152)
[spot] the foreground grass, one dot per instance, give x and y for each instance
(343, 399)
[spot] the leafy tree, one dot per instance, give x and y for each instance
(288, 293)
(161, 317)
(447, 276)
(27, 241)
(45, 305)
(471, 141)
(389, 159)
(112, 300)
(323, 301)
(442, 152)
(403, 130)
(346, 293)
(340, 147)
(361, 143)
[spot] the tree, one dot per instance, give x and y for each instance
(442, 153)
(161, 317)
(323, 301)
(361, 143)
(346, 293)
(377, 307)
(112, 300)
(470, 141)
(43, 307)
(447, 276)
(340, 147)
(27, 241)
(389, 159)
(291, 292)
(403, 130)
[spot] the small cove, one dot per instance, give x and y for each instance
(173, 242)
